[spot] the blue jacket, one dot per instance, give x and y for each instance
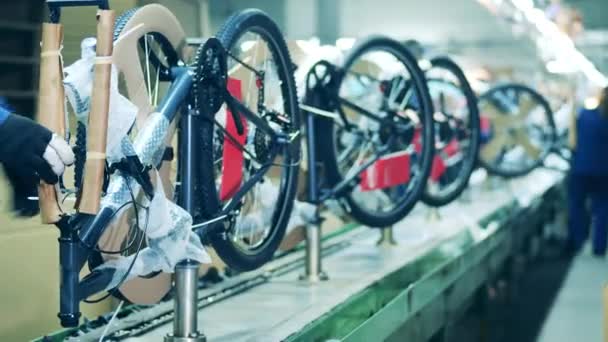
(3, 114)
(591, 153)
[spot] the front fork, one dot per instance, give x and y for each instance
(80, 233)
(73, 254)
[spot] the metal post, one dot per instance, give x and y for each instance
(387, 238)
(185, 318)
(312, 269)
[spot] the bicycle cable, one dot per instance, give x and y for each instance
(129, 245)
(124, 277)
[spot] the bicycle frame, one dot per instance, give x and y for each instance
(79, 232)
(326, 88)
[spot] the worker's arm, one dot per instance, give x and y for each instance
(29, 152)
(32, 149)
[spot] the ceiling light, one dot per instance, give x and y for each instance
(591, 103)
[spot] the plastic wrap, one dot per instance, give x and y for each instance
(335, 207)
(167, 227)
(374, 200)
(169, 238)
(78, 86)
(78, 81)
(150, 142)
(259, 219)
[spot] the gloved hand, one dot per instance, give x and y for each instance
(30, 152)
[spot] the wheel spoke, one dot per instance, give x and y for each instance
(522, 110)
(148, 82)
(525, 106)
(406, 99)
(363, 152)
(497, 116)
(523, 140)
(491, 150)
(251, 63)
(367, 69)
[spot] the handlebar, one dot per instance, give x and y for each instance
(102, 4)
(55, 6)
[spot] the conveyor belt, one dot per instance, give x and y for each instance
(372, 291)
(136, 320)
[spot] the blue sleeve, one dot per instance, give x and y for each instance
(3, 115)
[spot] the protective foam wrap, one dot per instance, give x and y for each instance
(260, 218)
(167, 227)
(169, 237)
(78, 85)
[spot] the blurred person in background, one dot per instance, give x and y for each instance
(588, 179)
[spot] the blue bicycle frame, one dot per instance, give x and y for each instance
(81, 231)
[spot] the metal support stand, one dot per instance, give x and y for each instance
(313, 272)
(185, 319)
(387, 238)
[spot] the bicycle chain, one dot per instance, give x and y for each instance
(80, 153)
(210, 77)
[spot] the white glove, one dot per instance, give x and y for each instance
(58, 154)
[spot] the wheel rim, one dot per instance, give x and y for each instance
(264, 205)
(386, 91)
(148, 52)
(517, 129)
(453, 133)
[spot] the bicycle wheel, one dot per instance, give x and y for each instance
(456, 132)
(385, 117)
(142, 56)
(518, 130)
(261, 79)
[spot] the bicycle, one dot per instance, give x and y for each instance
(252, 139)
(518, 130)
(457, 132)
(379, 152)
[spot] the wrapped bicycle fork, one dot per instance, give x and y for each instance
(168, 233)
(96, 141)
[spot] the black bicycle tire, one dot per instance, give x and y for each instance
(549, 114)
(252, 20)
(471, 158)
(325, 129)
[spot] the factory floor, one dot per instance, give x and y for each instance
(557, 299)
(577, 312)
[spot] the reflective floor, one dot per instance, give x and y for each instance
(577, 313)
